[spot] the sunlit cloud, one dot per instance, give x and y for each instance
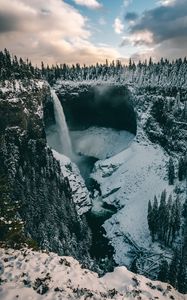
(93, 4)
(138, 38)
(118, 26)
(166, 2)
(50, 30)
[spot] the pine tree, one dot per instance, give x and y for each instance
(182, 277)
(154, 218)
(169, 220)
(149, 215)
(11, 226)
(176, 217)
(174, 269)
(163, 271)
(182, 169)
(171, 172)
(162, 215)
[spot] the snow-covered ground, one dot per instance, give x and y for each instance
(128, 181)
(26, 274)
(100, 142)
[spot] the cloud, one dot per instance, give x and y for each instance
(118, 26)
(139, 38)
(102, 21)
(162, 26)
(93, 4)
(52, 31)
(131, 16)
(127, 2)
(166, 2)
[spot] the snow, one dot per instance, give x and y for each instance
(138, 173)
(14, 100)
(78, 188)
(27, 274)
(39, 111)
(100, 142)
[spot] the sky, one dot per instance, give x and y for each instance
(90, 31)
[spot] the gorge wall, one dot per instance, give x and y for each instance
(34, 176)
(101, 104)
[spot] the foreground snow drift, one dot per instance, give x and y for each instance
(35, 275)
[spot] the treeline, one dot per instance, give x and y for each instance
(162, 74)
(164, 219)
(144, 74)
(13, 68)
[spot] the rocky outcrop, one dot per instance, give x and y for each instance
(34, 176)
(79, 191)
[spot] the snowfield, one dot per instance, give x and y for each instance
(127, 181)
(26, 274)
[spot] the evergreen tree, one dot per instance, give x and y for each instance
(149, 215)
(163, 271)
(174, 269)
(162, 215)
(182, 277)
(176, 217)
(169, 220)
(154, 222)
(11, 226)
(182, 169)
(171, 172)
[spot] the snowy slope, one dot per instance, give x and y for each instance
(78, 188)
(128, 180)
(37, 275)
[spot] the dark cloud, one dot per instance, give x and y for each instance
(131, 16)
(45, 11)
(8, 22)
(164, 22)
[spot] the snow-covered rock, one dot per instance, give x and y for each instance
(26, 274)
(78, 188)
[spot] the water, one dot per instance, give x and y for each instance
(61, 129)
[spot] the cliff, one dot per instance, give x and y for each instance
(34, 177)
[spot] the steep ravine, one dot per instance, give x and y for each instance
(128, 174)
(89, 145)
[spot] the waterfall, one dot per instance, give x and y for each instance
(61, 128)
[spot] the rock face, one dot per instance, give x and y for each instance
(101, 104)
(79, 191)
(35, 177)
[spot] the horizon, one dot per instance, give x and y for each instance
(145, 61)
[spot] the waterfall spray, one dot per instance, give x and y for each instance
(64, 140)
